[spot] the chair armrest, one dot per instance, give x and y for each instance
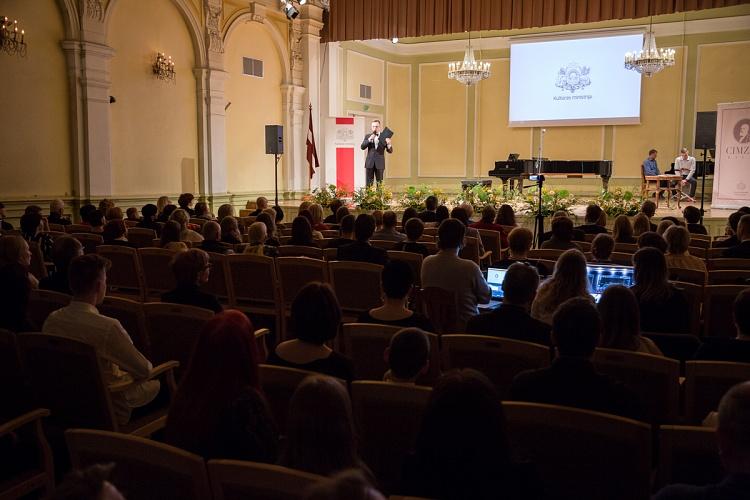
(485, 256)
(127, 381)
(24, 419)
(163, 368)
(261, 332)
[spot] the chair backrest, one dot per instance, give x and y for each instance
(77, 228)
(130, 315)
(655, 379)
(238, 480)
(679, 346)
(626, 247)
(66, 377)
(89, 241)
(125, 274)
(545, 253)
(173, 331)
(584, 245)
(141, 237)
(356, 284)
(714, 253)
(414, 260)
(384, 244)
(198, 221)
(548, 265)
(218, 278)
(694, 294)
(697, 251)
(470, 250)
(330, 233)
(441, 307)
(729, 277)
(42, 303)
(330, 253)
(573, 451)
(725, 263)
(157, 273)
(688, 455)
(388, 418)
(705, 384)
(498, 358)
(37, 267)
(699, 240)
(622, 258)
(296, 272)
(56, 227)
(687, 275)
(491, 241)
(252, 279)
(300, 251)
(717, 309)
(144, 468)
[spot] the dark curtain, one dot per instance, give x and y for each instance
(369, 19)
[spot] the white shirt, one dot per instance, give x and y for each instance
(685, 167)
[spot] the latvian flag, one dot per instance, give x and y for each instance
(312, 151)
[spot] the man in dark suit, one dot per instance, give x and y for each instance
(428, 214)
(572, 379)
(512, 320)
(736, 349)
(361, 250)
(376, 149)
(741, 251)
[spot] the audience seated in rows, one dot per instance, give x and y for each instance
(561, 236)
(733, 436)
(741, 250)
(268, 219)
(115, 233)
(388, 232)
(211, 231)
(302, 234)
(225, 210)
(191, 269)
(341, 212)
(692, 217)
(202, 212)
(622, 230)
(407, 356)
(663, 225)
(441, 213)
(256, 235)
(333, 206)
(595, 220)
(621, 324)
(572, 379)
(131, 214)
(602, 247)
(414, 229)
(664, 307)
(506, 216)
(219, 410)
(113, 213)
(428, 214)
(641, 224)
(462, 215)
(398, 282)
(162, 203)
(32, 227)
(261, 203)
(360, 250)
(488, 222)
(82, 321)
(170, 237)
(185, 201)
(346, 232)
(678, 243)
(105, 204)
(512, 319)
(57, 213)
(17, 283)
(148, 221)
(4, 225)
(567, 281)
(378, 216)
(316, 212)
(648, 208)
(409, 213)
(316, 235)
(737, 348)
(84, 212)
(448, 271)
(186, 234)
(64, 250)
(315, 320)
(96, 220)
(652, 239)
(520, 241)
(731, 232)
(230, 231)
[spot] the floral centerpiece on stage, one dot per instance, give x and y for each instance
(324, 196)
(415, 197)
(619, 202)
(376, 196)
(553, 200)
(480, 196)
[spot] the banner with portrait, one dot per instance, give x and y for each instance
(732, 173)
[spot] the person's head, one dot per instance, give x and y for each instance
(271, 212)
(652, 154)
(733, 221)
(303, 206)
(650, 274)
(95, 218)
(201, 209)
(593, 212)
(211, 231)
(733, 429)
(678, 240)
(408, 354)
(460, 214)
(691, 214)
(576, 326)
(33, 209)
(652, 239)
(105, 205)
(168, 210)
(431, 203)
(149, 212)
(256, 233)
(602, 247)
(185, 200)
(113, 213)
(562, 229)
(307, 215)
(261, 202)
(506, 216)
(350, 484)
(375, 126)
(684, 153)
(641, 224)
(414, 229)
(334, 205)
(279, 214)
(31, 223)
(87, 277)
(320, 428)
(346, 226)
(398, 280)
(132, 213)
(91, 483)
(468, 209)
(341, 212)
(620, 313)
(191, 268)
(230, 228)
(520, 240)
(301, 231)
(741, 313)
(225, 210)
(389, 219)
(673, 220)
(663, 225)
(170, 233)
(56, 207)
(114, 230)
(181, 217)
(64, 250)
(267, 221)
(364, 227)
(14, 250)
(743, 228)
(622, 229)
(378, 216)
(648, 207)
(409, 213)
(84, 212)
(316, 212)
(451, 234)
(744, 210)
(441, 213)
(316, 314)
(520, 284)
(569, 277)
(162, 202)
(488, 214)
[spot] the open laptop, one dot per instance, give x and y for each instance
(601, 276)
(495, 279)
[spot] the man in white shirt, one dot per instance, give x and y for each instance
(685, 166)
(81, 321)
(449, 271)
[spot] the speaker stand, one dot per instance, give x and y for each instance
(276, 177)
(703, 180)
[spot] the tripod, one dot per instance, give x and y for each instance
(703, 179)
(276, 176)
(539, 219)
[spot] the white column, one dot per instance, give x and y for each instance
(312, 23)
(294, 112)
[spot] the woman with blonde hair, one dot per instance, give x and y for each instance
(186, 234)
(621, 320)
(162, 202)
(641, 224)
(257, 236)
(568, 280)
(317, 218)
(678, 243)
(622, 230)
(305, 205)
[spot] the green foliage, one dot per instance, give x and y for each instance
(480, 196)
(553, 200)
(415, 197)
(619, 202)
(377, 196)
(324, 196)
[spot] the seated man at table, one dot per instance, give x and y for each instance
(651, 168)
(684, 165)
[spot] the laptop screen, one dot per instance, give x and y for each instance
(601, 276)
(495, 279)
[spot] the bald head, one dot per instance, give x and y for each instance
(734, 428)
(211, 231)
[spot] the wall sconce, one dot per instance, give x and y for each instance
(11, 41)
(164, 67)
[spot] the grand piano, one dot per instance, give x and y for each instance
(517, 170)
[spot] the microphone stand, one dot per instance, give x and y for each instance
(703, 179)
(539, 219)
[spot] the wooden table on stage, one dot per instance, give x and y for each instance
(673, 185)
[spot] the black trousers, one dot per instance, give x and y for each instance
(373, 174)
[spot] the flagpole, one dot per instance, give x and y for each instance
(309, 177)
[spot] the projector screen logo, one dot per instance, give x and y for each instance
(573, 77)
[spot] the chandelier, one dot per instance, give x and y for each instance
(649, 60)
(164, 67)
(11, 41)
(469, 71)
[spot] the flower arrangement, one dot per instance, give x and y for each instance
(415, 197)
(553, 200)
(480, 196)
(324, 196)
(619, 202)
(376, 196)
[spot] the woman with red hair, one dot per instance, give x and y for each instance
(219, 410)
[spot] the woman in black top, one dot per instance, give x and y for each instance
(302, 234)
(414, 229)
(230, 231)
(191, 270)
(64, 250)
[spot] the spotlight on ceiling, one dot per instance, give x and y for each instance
(290, 10)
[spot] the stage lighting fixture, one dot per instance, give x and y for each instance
(394, 39)
(302, 2)
(290, 10)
